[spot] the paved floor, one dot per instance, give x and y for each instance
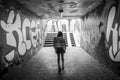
(79, 65)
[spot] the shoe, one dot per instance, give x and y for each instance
(59, 69)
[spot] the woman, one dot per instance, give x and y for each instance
(60, 49)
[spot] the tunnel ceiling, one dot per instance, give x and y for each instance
(53, 8)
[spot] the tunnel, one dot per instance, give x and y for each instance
(90, 29)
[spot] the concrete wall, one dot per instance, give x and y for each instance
(101, 31)
(20, 35)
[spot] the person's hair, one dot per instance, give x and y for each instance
(60, 34)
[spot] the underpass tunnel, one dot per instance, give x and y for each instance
(90, 29)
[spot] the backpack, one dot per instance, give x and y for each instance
(59, 42)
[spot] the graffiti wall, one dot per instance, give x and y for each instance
(90, 31)
(100, 33)
(20, 34)
(65, 25)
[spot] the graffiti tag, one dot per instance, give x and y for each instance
(27, 34)
(112, 36)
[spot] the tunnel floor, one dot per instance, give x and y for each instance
(79, 65)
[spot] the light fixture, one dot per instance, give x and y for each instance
(60, 10)
(61, 1)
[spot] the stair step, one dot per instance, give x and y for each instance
(72, 39)
(50, 39)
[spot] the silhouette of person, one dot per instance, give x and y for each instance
(60, 50)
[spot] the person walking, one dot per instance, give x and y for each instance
(60, 48)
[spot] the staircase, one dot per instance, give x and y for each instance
(72, 39)
(50, 38)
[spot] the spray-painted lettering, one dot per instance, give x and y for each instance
(112, 34)
(27, 34)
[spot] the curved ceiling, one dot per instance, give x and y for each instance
(53, 8)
